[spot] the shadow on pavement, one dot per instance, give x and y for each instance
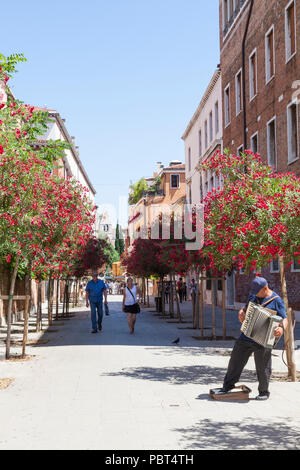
(247, 434)
(197, 375)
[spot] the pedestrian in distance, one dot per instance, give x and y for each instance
(184, 291)
(193, 290)
(180, 289)
(94, 298)
(130, 303)
(262, 295)
(167, 292)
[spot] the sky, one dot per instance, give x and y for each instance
(127, 75)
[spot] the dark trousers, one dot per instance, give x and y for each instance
(239, 358)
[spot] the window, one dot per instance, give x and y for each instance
(189, 159)
(206, 135)
(227, 105)
(206, 188)
(217, 124)
(296, 266)
(253, 75)
(225, 12)
(175, 181)
(238, 92)
(274, 266)
(231, 10)
(210, 126)
(271, 140)
(270, 55)
(200, 143)
(290, 30)
(292, 126)
(240, 150)
(254, 143)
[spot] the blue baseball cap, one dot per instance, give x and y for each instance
(257, 284)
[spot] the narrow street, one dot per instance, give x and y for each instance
(119, 391)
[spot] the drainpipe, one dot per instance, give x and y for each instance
(244, 74)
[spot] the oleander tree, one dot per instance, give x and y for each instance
(94, 254)
(254, 218)
(43, 220)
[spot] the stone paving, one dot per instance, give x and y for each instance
(117, 391)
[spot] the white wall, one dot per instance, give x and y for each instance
(192, 141)
(55, 133)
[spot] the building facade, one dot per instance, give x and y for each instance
(260, 66)
(202, 139)
(168, 196)
(70, 166)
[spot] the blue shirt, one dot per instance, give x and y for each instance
(95, 290)
(276, 304)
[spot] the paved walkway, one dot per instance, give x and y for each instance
(119, 391)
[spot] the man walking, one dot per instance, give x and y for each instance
(94, 298)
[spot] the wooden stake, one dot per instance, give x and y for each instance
(202, 308)
(224, 309)
(214, 325)
(10, 304)
(289, 333)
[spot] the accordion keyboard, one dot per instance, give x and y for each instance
(260, 324)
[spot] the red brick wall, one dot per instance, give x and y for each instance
(266, 104)
(272, 100)
(243, 283)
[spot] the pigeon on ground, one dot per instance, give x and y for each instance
(176, 341)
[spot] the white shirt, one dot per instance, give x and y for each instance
(131, 299)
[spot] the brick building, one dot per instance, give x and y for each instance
(260, 65)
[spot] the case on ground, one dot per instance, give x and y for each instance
(238, 393)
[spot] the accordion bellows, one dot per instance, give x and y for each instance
(260, 324)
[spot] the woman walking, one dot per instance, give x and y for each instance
(130, 303)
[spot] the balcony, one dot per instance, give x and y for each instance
(156, 192)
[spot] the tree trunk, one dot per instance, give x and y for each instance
(64, 301)
(50, 299)
(67, 298)
(39, 308)
(26, 312)
(224, 309)
(148, 299)
(77, 293)
(163, 297)
(289, 333)
(178, 307)
(214, 324)
(10, 304)
(197, 302)
(171, 297)
(57, 300)
(202, 308)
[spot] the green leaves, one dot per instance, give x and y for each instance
(9, 63)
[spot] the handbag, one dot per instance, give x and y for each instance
(136, 306)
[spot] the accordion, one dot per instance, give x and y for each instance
(260, 324)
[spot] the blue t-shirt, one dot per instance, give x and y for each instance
(95, 290)
(276, 304)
